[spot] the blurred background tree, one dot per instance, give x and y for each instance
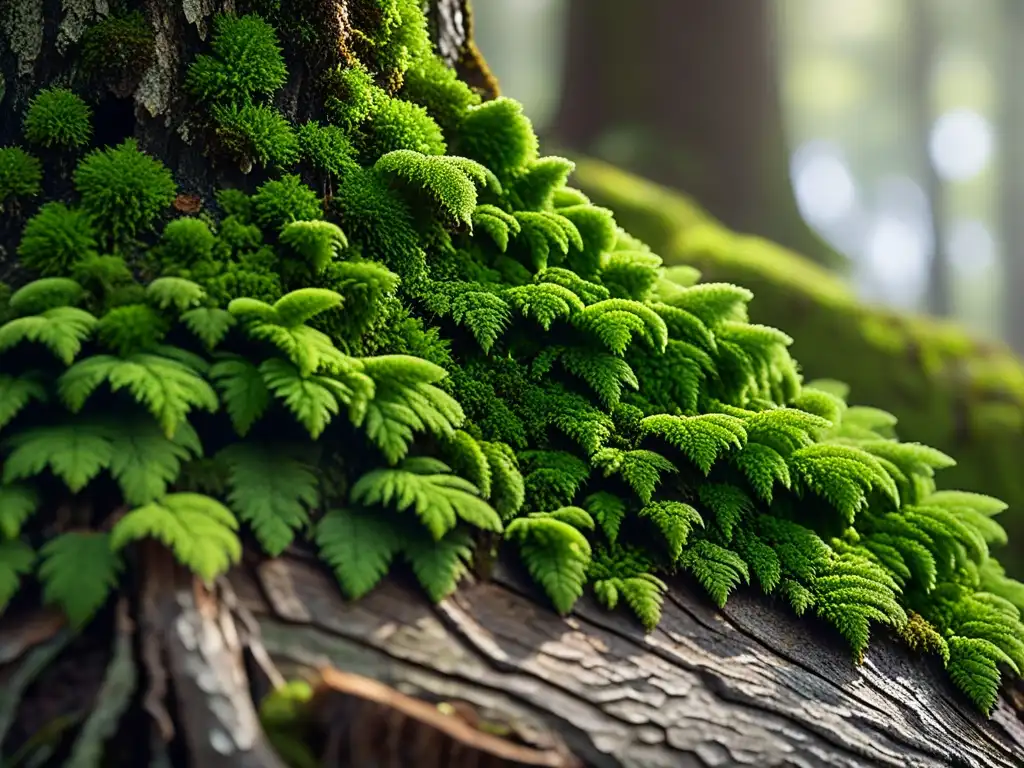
(881, 139)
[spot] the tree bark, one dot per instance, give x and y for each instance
(689, 93)
(170, 674)
(1011, 171)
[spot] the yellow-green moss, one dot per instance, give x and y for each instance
(949, 390)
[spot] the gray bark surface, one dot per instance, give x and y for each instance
(752, 685)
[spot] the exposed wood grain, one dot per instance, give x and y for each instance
(752, 685)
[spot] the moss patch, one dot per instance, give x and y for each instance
(963, 396)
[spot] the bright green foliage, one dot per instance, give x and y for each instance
(56, 238)
(21, 175)
(246, 66)
(58, 119)
(123, 189)
(426, 353)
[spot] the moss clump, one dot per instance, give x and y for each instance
(124, 189)
(245, 62)
(450, 351)
(21, 175)
(56, 238)
(277, 203)
(58, 119)
(119, 46)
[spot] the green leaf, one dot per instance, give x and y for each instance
(175, 291)
(16, 392)
(271, 492)
(74, 452)
(79, 570)
(439, 565)
(243, 390)
(168, 388)
(359, 546)
(209, 324)
(200, 531)
(298, 307)
(61, 330)
(16, 560)
(439, 499)
(145, 461)
(310, 398)
(17, 504)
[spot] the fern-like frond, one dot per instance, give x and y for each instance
(498, 224)
(616, 321)
(439, 565)
(405, 399)
(78, 571)
(271, 492)
(62, 330)
(17, 560)
(719, 570)
(675, 520)
(359, 545)
(556, 554)
(199, 530)
(703, 439)
(209, 324)
(608, 510)
(167, 388)
(763, 467)
(508, 488)
(175, 292)
(640, 469)
(439, 498)
(18, 502)
(729, 505)
(544, 302)
(16, 392)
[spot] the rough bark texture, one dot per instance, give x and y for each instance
(692, 88)
(750, 685)
(169, 675)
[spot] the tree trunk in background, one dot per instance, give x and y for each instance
(921, 34)
(687, 94)
(1011, 148)
(168, 676)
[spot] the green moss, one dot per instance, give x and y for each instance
(124, 189)
(395, 124)
(447, 351)
(119, 46)
(58, 118)
(327, 148)
(21, 175)
(56, 238)
(277, 203)
(963, 396)
(245, 62)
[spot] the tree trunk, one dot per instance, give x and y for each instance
(687, 94)
(921, 54)
(169, 675)
(1011, 171)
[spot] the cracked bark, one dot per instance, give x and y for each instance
(169, 674)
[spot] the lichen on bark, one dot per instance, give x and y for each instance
(78, 15)
(22, 25)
